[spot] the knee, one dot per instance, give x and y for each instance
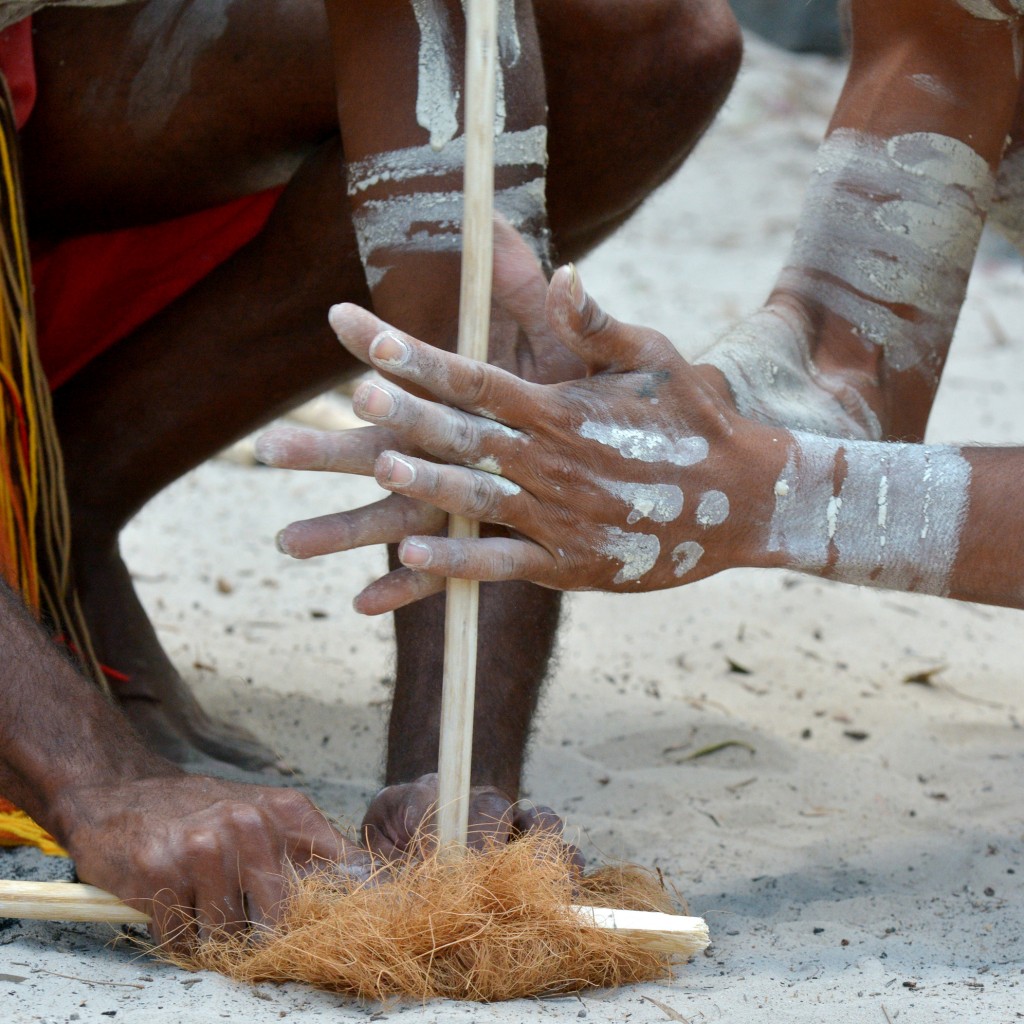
(694, 53)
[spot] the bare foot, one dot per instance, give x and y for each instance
(154, 697)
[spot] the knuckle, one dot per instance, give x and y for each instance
(475, 383)
(201, 842)
(481, 499)
(244, 818)
(506, 565)
(459, 435)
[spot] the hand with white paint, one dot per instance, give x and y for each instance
(619, 481)
(522, 341)
(641, 476)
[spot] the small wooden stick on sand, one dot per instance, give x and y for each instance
(72, 901)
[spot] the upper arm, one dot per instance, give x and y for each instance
(934, 66)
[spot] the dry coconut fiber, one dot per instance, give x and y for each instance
(491, 925)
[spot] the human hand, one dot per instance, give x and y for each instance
(639, 477)
(201, 856)
(522, 342)
(400, 819)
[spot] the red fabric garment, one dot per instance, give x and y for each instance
(94, 290)
(19, 68)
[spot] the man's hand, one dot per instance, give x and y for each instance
(401, 818)
(638, 477)
(522, 341)
(201, 856)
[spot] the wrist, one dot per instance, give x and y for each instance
(106, 756)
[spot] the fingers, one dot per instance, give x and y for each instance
(383, 522)
(519, 284)
(464, 492)
(400, 816)
(446, 433)
(396, 590)
(473, 386)
(347, 451)
(489, 559)
(490, 818)
(172, 921)
(602, 342)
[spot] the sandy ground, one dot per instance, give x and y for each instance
(859, 858)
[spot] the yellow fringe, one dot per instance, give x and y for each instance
(18, 829)
(35, 536)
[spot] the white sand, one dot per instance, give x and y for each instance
(863, 861)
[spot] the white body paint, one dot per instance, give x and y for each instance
(905, 217)
(437, 97)
(1007, 211)
(647, 445)
(767, 361)
(713, 509)
(661, 503)
(432, 222)
(988, 11)
(894, 522)
(636, 551)
(509, 52)
(507, 487)
(934, 86)
(685, 557)
(172, 35)
(527, 148)
(489, 464)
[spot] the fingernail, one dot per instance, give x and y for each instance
(389, 349)
(578, 295)
(375, 401)
(397, 471)
(413, 554)
(280, 544)
(336, 318)
(267, 450)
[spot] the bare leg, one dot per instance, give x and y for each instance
(665, 69)
(632, 86)
(247, 343)
(141, 415)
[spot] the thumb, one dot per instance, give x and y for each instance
(579, 323)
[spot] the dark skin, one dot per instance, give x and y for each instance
(250, 341)
(558, 512)
(194, 853)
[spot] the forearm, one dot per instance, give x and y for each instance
(932, 519)
(400, 83)
(868, 299)
(57, 732)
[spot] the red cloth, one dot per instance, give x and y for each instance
(94, 290)
(19, 68)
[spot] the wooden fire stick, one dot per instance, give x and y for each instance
(460, 635)
(72, 901)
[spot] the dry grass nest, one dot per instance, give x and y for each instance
(491, 925)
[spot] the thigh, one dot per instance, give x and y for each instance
(154, 109)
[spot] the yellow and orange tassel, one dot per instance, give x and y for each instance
(35, 534)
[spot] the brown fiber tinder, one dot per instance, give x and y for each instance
(490, 925)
